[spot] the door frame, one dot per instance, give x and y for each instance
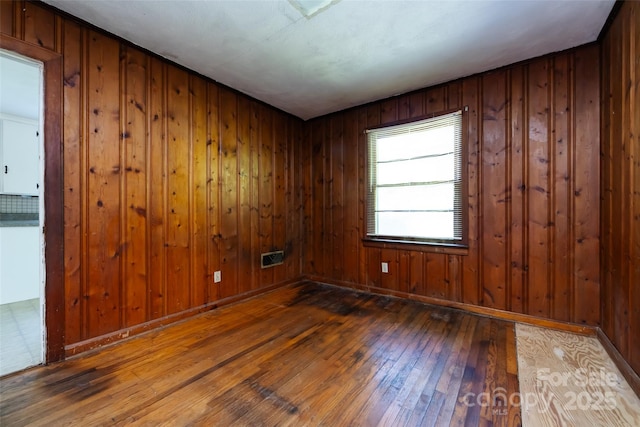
(53, 192)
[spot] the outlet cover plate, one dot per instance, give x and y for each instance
(217, 277)
(385, 267)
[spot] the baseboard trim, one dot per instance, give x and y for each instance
(122, 334)
(483, 311)
(625, 369)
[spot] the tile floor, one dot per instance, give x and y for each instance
(20, 335)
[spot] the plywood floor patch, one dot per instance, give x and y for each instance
(569, 380)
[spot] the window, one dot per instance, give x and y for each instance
(415, 189)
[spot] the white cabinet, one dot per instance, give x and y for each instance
(19, 264)
(19, 157)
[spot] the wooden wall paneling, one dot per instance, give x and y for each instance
(619, 205)
(39, 25)
(179, 196)
(351, 199)
(327, 241)
(157, 190)
(622, 292)
(493, 191)
(373, 255)
(517, 212)
(337, 146)
(435, 275)
(318, 226)
(619, 286)
(256, 211)
(229, 192)
(404, 106)
(214, 183)
(404, 270)
(436, 99)
(389, 280)
(539, 190)
(280, 137)
(561, 301)
(133, 136)
(634, 235)
(454, 275)
(606, 234)
(200, 277)
(73, 179)
(363, 117)
(471, 262)
(306, 192)
(416, 273)
(293, 202)
(146, 215)
(7, 17)
(103, 196)
(245, 230)
(266, 190)
(586, 187)
(454, 95)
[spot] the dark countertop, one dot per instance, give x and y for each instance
(19, 220)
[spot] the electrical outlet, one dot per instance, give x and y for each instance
(385, 267)
(217, 277)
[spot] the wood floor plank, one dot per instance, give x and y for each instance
(306, 354)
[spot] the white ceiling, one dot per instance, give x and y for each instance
(350, 53)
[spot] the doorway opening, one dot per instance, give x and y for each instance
(22, 260)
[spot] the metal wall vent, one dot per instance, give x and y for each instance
(269, 259)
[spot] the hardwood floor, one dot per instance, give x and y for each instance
(301, 355)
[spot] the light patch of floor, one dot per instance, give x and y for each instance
(20, 336)
(569, 380)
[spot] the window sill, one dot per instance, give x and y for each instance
(441, 248)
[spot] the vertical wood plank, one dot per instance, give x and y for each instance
(318, 183)
(279, 192)
(634, 136)
(214, 149)
(156, 189)
(518, 191)
(134, 144)
(470, 267)
(539, 189)
(266, 190)
(416, 273)
(229, 193)
(436, 99)
(327, 240)
(200, 275)
(103, 196)
(351, 183)
(363, 117)
(177, 224)
(493, 190)
(337, 197)
(586, 184)
(7, 17)
(389, 280)
(435, 275)
(245, 231)
(73, 189)
(561, 300)
(39, 25)
(256, 152)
